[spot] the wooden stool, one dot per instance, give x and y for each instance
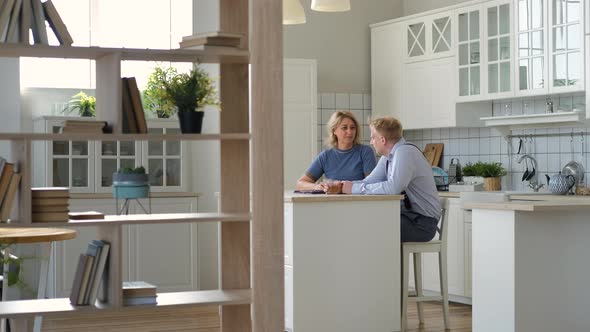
(45, 236)
(416, 249)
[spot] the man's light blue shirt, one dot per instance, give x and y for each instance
(408, 171)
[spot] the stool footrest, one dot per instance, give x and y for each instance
(424, 298)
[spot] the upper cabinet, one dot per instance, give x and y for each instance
(499, 45)
(429, 37)
(469, 44)
(550, 42)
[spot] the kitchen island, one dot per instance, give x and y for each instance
(530, 265)
(342, 263)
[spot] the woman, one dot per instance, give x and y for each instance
(346, 159)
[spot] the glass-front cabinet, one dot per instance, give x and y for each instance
(498, 23)
(469, 52)
(550, 41)
(88, 166)
(429, 37)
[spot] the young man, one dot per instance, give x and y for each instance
(401, 169)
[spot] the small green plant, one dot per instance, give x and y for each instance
(486, 170)
(192, 91)
(82, 103)
(15, 269)
(129, 170)
(155, 99)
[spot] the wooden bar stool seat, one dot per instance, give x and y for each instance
(416, 249)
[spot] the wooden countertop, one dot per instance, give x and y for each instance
(449, 194)
(532, 206)
(309, 198)
(152, 194)
(34, 235)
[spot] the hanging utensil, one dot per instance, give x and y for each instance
(573, 167)
(534, 170)
(526, 172)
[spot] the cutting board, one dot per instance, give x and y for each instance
(432, 152)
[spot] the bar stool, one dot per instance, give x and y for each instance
(416, 249)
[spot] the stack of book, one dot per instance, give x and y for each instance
(18, 17)
(133, 115)
(139, 292)
(9, 182)
(90, 273)
(216, 38)
(50, 204)
(83, 126)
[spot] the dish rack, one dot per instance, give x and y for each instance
(442, 182)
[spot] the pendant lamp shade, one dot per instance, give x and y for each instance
(330, 5)
(293, 12)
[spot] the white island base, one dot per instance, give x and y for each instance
(531, 267)
(342, 263)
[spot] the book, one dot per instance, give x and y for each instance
(50, 192)
(7, 172)
(51, 208)
(85, 279)
(49, 216)
(39, 29)
(138, 289)
(137, 106)
(140, 300)
(215, 38)
(86, 215)
(36, 202)
(25, 21)
(78, 276)
(5, 11)
(12, 34)
(93, 250)
(56, 24)
(99, 273)
(81, 129)
(9, 197)
(129, 122)
(84, 124)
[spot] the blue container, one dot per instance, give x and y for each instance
(131, 191)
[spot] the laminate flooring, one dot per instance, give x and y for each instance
(460, 316)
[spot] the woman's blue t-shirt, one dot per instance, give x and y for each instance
(350, 165)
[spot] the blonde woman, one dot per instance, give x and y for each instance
(346, 159)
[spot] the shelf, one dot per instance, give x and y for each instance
(206, 55)
(142, 219)
(562, 119)
(49, 307)
(121, 137)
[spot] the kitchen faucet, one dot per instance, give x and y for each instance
(534, 182)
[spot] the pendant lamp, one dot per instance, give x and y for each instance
(293, 12)
(330, 5)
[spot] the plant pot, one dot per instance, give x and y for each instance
(162, 114)
(130, 179)
(191, 122)
(492, 184)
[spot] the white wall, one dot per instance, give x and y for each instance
(10, 105)
(417, 6)
(340, 42)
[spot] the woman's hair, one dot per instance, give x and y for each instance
(335, 121)
(388, 127)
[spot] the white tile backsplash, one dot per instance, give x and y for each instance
(367, 101)
(328, 100)
(356, 101)
(342, 101)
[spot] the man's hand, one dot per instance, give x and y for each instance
(346, 187)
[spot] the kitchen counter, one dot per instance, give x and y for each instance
(449, 194)
(532, 206)
(309, 198)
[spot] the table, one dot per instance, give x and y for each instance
(46, 237)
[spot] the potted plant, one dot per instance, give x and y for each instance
(154, 96)
(190, 92)
(491, 173)
(82, 103)
(131, 183)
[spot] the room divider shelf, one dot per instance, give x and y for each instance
(121, 137)
(61, 306)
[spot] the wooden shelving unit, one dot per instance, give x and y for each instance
(251, 273)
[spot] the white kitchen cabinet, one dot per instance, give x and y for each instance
(142, 260)
(498, 38)
(88, 166)
(550, 46)
(429, 37)
(588, 76)
(455, 255)
(468, 250)
(386, 70)
(470, 49)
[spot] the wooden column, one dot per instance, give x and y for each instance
(266, 57)
(234, 268)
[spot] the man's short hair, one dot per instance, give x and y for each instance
(388, 127)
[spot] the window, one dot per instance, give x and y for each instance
(110, 23)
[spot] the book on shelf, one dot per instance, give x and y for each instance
(83, 261)
(84, 123)
(12, 34)
(49, 216)
(5, 176)
(133, 289)
(25, 21)
(5, 12)
(50, 192)
(51, 208)
(56, 24)
(127, 301)
(98, 275)
(137, 105)
(38, 23)
(9, 197)
(82, 129)
(129, 122)
(57, 201)
(215, 38)
(86, 215)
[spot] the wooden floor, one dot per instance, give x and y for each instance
(433, 318)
